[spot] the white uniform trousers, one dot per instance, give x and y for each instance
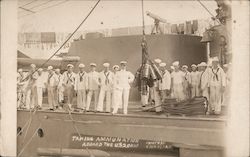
(178, 92)
(157, 98)
(52, 97)
(81, 99)
(60, 94)
(89, 98)
(195, 91)
(20, 98)
(70, 94)
(116, 100)
(39, 96)
(215, 99)
(205, 93)
(123, 96)
(31, 97)
(104, 93)
(144, 99)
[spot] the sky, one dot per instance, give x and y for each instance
(108, 14)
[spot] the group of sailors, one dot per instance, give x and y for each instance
(208, 80)
(113, 85)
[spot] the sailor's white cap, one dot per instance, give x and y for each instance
(215, 59)
(116, 66)
(70, 66)
(20, 70)
(92, 64)
(171, 67)
(32, 65)
(58, 70)
(162, 64)
(106, 65)
(50, 67)
(184, 66)
(176, 63)
(40, 69)
(157, 60)
(81, 65)
(193, 65)
(203, 64)
(123, 62)
(225, 65)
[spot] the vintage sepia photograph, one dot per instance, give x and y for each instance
(141, 78)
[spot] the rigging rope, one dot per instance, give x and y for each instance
(28, 142)
(143, 22)
(208, 11)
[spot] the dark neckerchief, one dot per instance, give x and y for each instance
(81, 74)
(215, 74)
(106, 75)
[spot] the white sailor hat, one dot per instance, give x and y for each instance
(171, 67)
(198, 65)
(81, 65)
(70, 66)
(116, 66)
(106, 65)
(203, 64)
(176, 63)
(92, 64)
(20, 70)
(225, 65)
(58, 70)
(215, 59)
(157, 60)
(32, 65)
(184, 66)
(50, 67)
(123, 62)
(40, 69)
(162, 64)
(193, 65)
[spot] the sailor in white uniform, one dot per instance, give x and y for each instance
(21, 84)
(217, 84)
(124, 78)
(93, 86)
(165, 82)
(81, 85)
(177, 82)
(106, 82)
(31, 89)
(186, 85)
(68, 83)
(116, 102)
(51, 87)
(40, 87)
(194, 81)
(60, 89)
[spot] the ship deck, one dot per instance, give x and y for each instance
(135, 110)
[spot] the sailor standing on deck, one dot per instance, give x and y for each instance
(31, 89)
(194, 81)
(68, 82)
(81, 85)
(165, 82)
(93, 86)
(116, 102)
(177, 82)
(186, 81)
(21, 83)
(59, 91)
(217, 83)
(40, 87)
(124, 78)
(51, 87)
(106, 81)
